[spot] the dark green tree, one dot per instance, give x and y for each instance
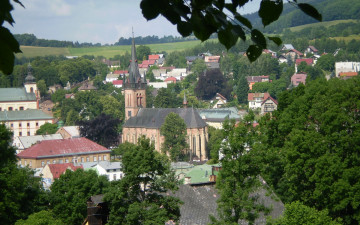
(174, 131)
(139, 197)
(70, 192)
(166, 98)
(242, 90)
(47, 128)
(326, 62)
(210, 83)
(142, 52)
(216, 136)
(43, 217)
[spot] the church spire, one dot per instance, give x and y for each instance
(134, 74)
(29, 77)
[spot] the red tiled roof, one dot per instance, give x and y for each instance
(53, 148)
(117, 82)
(308, 61)
(296, 51)
(221, 96)
(271, 99)
(120, 72)
(313, 48)
(58, 169)
(348, 74)
(251, 96)
(167, 68)
(170, 79)
(153, 57)
(148, 62)
(143, 65)
(69, 95)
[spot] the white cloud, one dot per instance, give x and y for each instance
(59, 7)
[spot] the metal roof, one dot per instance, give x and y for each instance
(15, 95)
(29, 114)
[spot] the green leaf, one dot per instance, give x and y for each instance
(310, 10)
(239, 31)
(276, 40)
(230, 7)
(184, 28)
(171, 15)
(8, 46)
(258, 38)
(149, 9)
(227, 37)
(253, 52)
(243, 20)
(270, 11)
(201, 28)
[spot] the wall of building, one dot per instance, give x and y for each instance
(26, 127)
(39, 163)
(21, 105)
(132, 101)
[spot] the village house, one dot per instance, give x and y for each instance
(298, 78)
(112, 170)
(293, 54)
(308, 61)
(53, 171)
(311, 50)
(68, 132)
(63, 151)
(111, 77)
(218, 101)
(117, 83)
(24, 142)
(346, 67)
(255, 79)
(147, 121)
(269, 105)
(216, 117)
(255, 100)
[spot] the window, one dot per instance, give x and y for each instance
(95, 158)
(66, 160)
(129, 113)
(31, 90)
(10, 108)
(82, 159)
(19, 124)
(28, 133)
(114, 176)
(99, 158)
(25, 163)
(20, 133)
(28, 124)
(30, 163)
(104, 157)
(61, 161)
(42, 163)
(0, 108)
(11, 125)
(87, 159)
(37, 124)
(54, 161)
(48, 162)
(21, 108)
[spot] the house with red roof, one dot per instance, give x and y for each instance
(219, 101)
(269, 105)
(255, 79)
(117, 83)
(347, 75)
(212, 58)
(298, 78)
(63, 151)
(153, 57)
(53, 171)
(170, 80)
(308, 61)
(311, 50)
(255, 99)
(293, 53)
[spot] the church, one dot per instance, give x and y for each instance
(140, 120)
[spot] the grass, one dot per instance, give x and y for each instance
(324, 24)
(106, 51)
(32, 51)
(348, 39)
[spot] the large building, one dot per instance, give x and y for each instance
(28, 97)
(147, 121)
(63, 151)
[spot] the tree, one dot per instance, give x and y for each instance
(167, 99)
(111, 106)
(238, 179)
(139, 197)
(42, 87)
(326, 62)
(176, 59)
(43, 217)
(142, 52)
(103, 129)
(216, 136)
(47, 128)
(203, 18)
(198, 67)
(210, 83)
(310, 147)
(241, 90)
(174, 131)
(70, 192)
(297, 213)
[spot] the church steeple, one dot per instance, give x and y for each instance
(29, 77)
(134, 87)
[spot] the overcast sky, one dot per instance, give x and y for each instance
(96, 21)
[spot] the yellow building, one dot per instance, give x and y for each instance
(74, 150)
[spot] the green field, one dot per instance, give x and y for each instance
(348, 38)
(324, 24)
(107, 51)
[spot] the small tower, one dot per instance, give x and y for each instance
(30, 84)
(185, 102)
(134, 87)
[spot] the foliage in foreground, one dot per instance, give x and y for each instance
(139, 198)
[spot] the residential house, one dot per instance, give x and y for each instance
(122, 73)
(282, 59)
(219, 101)
(46, 106)
(170, 80)
(272, 53)
(23, 142)
(216, 117)
(54, 88)
(287, 47)
(308, 61)
(211, 58)
(178, 73)
(268, 105)
(63, 151)
(255, 99)
(87, 86)
(191, 59)
(117, 83)
(54, 171)
(97, 211)
(298, 78)
(111, 77)
(255, 79)
(68, 132)
(71, 96)
(111, 64)
(158, 85)
(28, 97)
(293, 54)
(346, 67)
(158, 73)
(311, 50)
(113, 170)
(25, 122)
(347, 75)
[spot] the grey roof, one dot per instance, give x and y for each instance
(253, 79)
(112, 75)
(288, 47)
(213, 65)
(110, 165)
(154, 118)
(193, 58)
(28, 141)
(200, 202)
(29, 114)
(219, 114)
(15, 94)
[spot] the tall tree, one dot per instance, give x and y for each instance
(70, 192)
(241, 90)
(142, 52)
(167, 99)
(47, 128)
(174, 131)
(139, 197)
(210, 83)
(103, 129)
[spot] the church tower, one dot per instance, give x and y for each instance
(134, 87)
(30, 83)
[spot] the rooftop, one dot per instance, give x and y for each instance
(29, 114)
(15, 94)
(28, 141)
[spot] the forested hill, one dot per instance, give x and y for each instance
(292, 16)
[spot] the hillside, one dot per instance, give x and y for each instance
(291, 16)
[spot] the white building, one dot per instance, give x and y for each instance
(24, 142)
(341, 67)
